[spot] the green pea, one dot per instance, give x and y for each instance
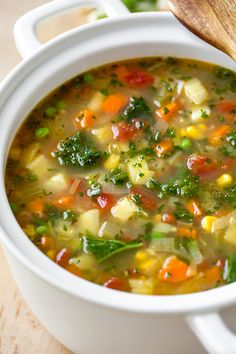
(185, 144)
(42, 132)
(61, 105)
(13, 207)
(42, 229)
(156, 234)
(51, 111)
(88, 78)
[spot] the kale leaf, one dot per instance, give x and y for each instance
(137, 108)
(231, 138)
(119, 177)
(78, 151)
(104, 249)
(185, 184)
(230, 270)
(182, 213)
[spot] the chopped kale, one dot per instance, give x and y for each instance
(119, 177)
(78, 151)
(170, 133)
(137, 108)
(231, 138)
(230, 270)
(104, 249)
(95, 190)
(182, 213)
(228, 196)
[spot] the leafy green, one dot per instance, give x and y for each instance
(137, 108)
(104, 249)
(227, 78)
(231, 138)
(119, 177)
(230, 270)
(228, 196)
(95, 190)
(182, 213)
(78, 151)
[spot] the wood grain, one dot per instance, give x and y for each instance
(212, 20)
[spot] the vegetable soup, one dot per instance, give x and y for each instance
(126, 176)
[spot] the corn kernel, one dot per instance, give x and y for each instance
(149, 266)
(157, 217)
(51, 254)
(225, 180)
(183, 132)
(207, 222)
(112, 162)
(141, 256)
(197, 132)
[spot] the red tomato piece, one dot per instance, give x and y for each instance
(139, 79)
(202, 166)
(63, 257)
(148, 200)
(124, 131)
(225, 107)
(115, 283)
(105, 201)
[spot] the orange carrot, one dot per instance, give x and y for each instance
(47, 243)
(72, 268)
(173, 270)
(85, 119)
(164, 147)
(36, 206)
(113, 103)
(167, 112)
(186, 232)
(64, 202)
(194, 208)
(121, 72)
(217, 134)
(213, 274)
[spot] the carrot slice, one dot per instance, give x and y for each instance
(72, 268)
(167, 112)
(164, 147)
(64, 202)
(85, 119)
(121, 72)
(173, 270)
(213, 275)
(113, 103)
(194, 208)
(225, 107)
(36, 206)
(217, 134)
(185, 232)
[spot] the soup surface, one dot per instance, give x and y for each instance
(126, 176)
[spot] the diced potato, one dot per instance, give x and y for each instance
(63, 229)
(138, 171)
(200, 113)
(142, 286)
(108, 230)
(103, 135)
(123, 146)
(195, 91)
(56, 183)
(124, 209)
(30, 153)
(230, 235)
(112, 162)
(89, 222)
(40, 167)
(95, 102)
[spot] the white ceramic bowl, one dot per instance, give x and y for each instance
(85, 317)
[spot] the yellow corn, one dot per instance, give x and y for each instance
(149, 266)
(197, 132)
(51, 254)
(112, 162)
(30, 230)
(157, 218)
(225, 180)
(207, 222)
(141, 256)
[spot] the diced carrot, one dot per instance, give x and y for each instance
(164, 147)
(168, 218)
(225, 107)
(64, 202)
(194, 208)
(173, 270)
(121, 72)
(115, 283)
(85, 119)
(63, 257)
(213, 274)
(186, 232)
(47, 243)
(113, 103)
(36, 206)
(72, 268)
(167, 112)
(217, 134)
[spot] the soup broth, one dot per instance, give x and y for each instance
(126, 176)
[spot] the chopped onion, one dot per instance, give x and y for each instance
(160, 125)
(112, 189)
(163, 244)
(75, 184)
(174, 158)
(192, 270)
(195, 252)
(180, 86)
(165, 228)
(108, 230)
(224, 221)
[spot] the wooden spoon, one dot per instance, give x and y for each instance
(212, 20)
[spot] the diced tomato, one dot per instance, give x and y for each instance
(105, 201)
(63, 257)
(148, 200)
(225, 107)
(115, 283)
(123, 131)
(168, 218)
(47, 243)
(202, 166)
(139, 79)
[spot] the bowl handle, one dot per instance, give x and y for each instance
(213, 333)
(25, 28)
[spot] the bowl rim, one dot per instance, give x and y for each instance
(62, 279)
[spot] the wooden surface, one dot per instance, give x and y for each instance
(212, 20)
(20, 332)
